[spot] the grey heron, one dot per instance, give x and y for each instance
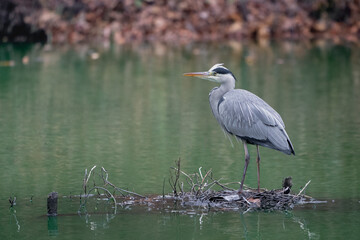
(244, 115)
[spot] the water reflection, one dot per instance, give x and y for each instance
(303, 226)
(53, 226)
(14, 219)
(312, 221)
(206, 224)
(93, 222)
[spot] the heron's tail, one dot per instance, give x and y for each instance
(279, 140)
(285, 146)
(292, 151)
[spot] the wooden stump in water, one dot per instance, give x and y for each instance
(52, 201)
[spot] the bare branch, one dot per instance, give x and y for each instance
(104, 189)
(174, 183)
(304, 188)
(192, 183)
(200, 173)
(224, 185)
(205, 176)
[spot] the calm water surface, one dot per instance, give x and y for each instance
(133, 112)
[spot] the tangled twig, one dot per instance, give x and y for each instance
(104, 177)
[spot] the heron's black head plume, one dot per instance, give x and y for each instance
(220, 69)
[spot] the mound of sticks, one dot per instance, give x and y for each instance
(199, 189)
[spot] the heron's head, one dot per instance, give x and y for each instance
(217, 73)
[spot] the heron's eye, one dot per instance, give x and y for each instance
(214, 73)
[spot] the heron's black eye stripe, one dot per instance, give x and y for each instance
(223, 71)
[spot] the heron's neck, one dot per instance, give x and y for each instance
(227, 86)
(224, 88)
(217, 93)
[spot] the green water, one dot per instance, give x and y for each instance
(133, 112)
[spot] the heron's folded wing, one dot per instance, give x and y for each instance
(247, 118)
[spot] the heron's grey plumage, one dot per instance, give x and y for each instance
(250, 118)
(245, 115)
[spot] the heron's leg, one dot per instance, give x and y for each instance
(258, 166)
(247, 160)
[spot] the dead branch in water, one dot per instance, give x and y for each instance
(104, 177)
(197, 182)
(174, 178)
(304, 187)
(87, 177)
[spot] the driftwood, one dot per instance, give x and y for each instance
(199, 190)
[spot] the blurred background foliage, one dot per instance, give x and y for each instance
(171, 21)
